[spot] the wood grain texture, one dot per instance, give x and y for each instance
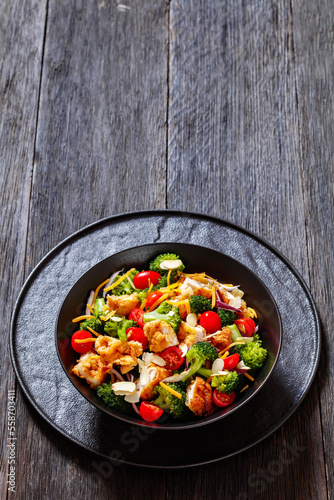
(101, 136)
(100, 150)
(20, 26)
(247, 88)
(314, 46)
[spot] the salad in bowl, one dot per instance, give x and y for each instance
(167, 342)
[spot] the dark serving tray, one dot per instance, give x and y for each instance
(50, 391)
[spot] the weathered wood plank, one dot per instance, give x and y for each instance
(234, 151)
(100, 150)
(314, 46)
(21, 44)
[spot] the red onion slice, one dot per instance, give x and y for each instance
(117, 374)
(222, 305)
(134, 406)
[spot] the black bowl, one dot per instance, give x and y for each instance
(196, 259)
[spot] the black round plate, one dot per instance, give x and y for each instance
(196, 259)
(46, 385)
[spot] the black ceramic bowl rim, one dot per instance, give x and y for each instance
(217, 415)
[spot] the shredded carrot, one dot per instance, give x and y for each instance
(168, 277)
(143, 304)
(244, 388)
(81, 318)
(233, 343)
(248, 376)
(252, 312)
(89, 307)
(172, 391)
(213, 301)
(188, 306)
(118, 281)
(93, 331)
(157, 302)
(80, 341)
(224, 355)
(98, 289)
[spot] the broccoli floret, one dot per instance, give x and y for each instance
(252, 354)
(118, 403)
(170, 403)
(198, 354)
(95, 323)
(228, 317)
(124, 288)
(227, 383)
(155, 265)
(165, 312)
(199, 304)
(118, 328)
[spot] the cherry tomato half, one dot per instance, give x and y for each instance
(138, 335)
(231, 361)
(137, 315)
(210, 321)
(221, 399)
(142, 280)
(246, 326)
(149, 411)
(84, 346)
(173, 357)
(153, 297)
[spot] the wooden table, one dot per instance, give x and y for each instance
(219, 107)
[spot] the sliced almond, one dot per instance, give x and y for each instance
(218, 365)
(124, 388)
(133, 398)
(158, 360)
(191, 319)
(170, 264)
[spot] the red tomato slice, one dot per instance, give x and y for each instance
(173, 357)
(149, 411)
(246, 326)
(138, 335)
(210, 321)
(221, 399)
(85, 346)
(142, 280)
(137, 315)
(231, 361)
(153, 297)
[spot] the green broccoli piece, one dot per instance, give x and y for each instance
(227, 316)
(118, 403)
(198, 354)
(155, 266)
(227, 383)
(199, 304)
(170, 403)
(118, 328)
(165, 312)
(124, 288)
(252, 354)
(95, 323)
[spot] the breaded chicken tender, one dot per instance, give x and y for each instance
(189, 335)
(92, 368)
(222, 339)
(199, 397)
(205, 292)
(123, 304)
(124, 353)
(156, 374)
(160, 335)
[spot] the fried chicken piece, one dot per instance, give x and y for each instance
(189, 335)
(205, 292)
(124, 353)
(92, 368)
(160, 335)
(222, 339)
(123, 304)
(199, 397)
(156, 374)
